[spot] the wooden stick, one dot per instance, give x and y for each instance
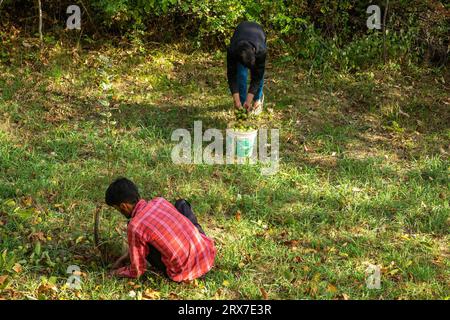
(40, 21)
(384, 31)
(97, 226)
(87, 12)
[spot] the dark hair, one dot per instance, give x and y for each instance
(120, 191)
(246, 54)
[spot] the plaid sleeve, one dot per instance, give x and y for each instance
(138, 251)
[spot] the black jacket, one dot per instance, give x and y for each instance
(253, 33)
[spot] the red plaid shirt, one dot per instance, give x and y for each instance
(186, 253)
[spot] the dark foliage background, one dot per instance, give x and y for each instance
(332, 33)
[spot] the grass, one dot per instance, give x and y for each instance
(364, 176)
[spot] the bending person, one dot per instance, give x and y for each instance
(247, 51)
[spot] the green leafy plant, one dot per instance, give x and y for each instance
(7, 260)
(105, 100)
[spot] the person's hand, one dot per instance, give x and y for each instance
(113, 273)
(119, 262)
(249, 102)
(116, 265)
(237, 101)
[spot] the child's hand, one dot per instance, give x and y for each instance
(119, 262)
(116, 265)
(113, 273)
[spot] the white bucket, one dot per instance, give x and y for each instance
(244, 142)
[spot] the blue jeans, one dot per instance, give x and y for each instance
(242, 76)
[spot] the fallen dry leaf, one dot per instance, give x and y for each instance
(3, 279)
(27, 201)
(173, 296)
(194, 282)
(17, 268)
(331, 288)
(218, 294)
(150, 294)
(37, 236)
(134, 285)
(291, 243)
(79, 273)
(310, 250)
(47, 288)
(264, 293)
(238, 215)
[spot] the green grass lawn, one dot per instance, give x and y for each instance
(363, 177)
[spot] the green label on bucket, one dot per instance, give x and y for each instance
(244, 143)
(244, 147)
